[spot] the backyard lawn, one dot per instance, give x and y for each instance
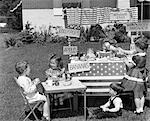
(11, 102)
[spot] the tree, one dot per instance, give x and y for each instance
(14, 19)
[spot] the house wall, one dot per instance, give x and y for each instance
(41, 12)
(37, 4)
(41, 17)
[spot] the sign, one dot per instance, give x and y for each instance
(123, 4)
(140, 26)
(119, 16)
(78, 67)
(70, 50)
(69, 32)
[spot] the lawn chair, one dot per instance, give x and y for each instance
(32, 106)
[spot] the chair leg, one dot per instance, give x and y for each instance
(32, 112)
(21, 115)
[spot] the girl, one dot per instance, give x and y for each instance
(54, 74)
(135, 80)
(29, 86)
(113, 107)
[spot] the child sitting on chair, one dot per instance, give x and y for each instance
(29, 86)
(112, 108)
(56, 72)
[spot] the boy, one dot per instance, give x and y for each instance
(29, 86)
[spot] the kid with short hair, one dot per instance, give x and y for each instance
(29, 86)
(111, 109)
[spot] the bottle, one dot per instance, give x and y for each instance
(68, 79)
(132, 45)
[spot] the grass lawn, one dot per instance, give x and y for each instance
(11, 102)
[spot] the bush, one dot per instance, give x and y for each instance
(10, 41)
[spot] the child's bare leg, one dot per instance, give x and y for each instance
(137, 104)
(142, 104)
(45, 110)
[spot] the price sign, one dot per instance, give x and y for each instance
(140, 26)
(69, 32)
(78, 67)
(70, 50)
(119, 16)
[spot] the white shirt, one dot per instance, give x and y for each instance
(117, 103)
(28, 86)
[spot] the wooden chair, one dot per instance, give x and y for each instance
(32, 106)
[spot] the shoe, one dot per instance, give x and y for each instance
(141, 110)
(137, 113)
(44, 119)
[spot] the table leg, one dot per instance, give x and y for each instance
(85, 105)
(48, 101)
(75, 102)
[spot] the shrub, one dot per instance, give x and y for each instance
(10, 41)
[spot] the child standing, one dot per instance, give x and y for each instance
(29, 86)
(135, 80)
(112, 108)
(56, 72)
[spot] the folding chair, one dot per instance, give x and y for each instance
(35, 104)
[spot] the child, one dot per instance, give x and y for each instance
(56, 72)
(29, 86)
(113, 107)
(135, 80)
(136, 72)
(90, 54)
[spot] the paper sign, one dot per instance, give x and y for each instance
(78, 67)
(69, 32)
(70, 50)
(119, 16)
(140, 26)
(123, 4)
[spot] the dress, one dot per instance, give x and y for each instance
(99, 113)
(136, 76)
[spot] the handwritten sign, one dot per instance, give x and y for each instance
(119, 16)
(123, 4)
(78, 67)
(140, 26)
(70, 50)
(69, 32)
